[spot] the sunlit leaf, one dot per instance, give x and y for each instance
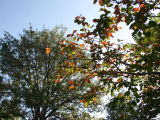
(136, 9)
(100, 2)
(86, 104)
(48, 50)
(71, 87)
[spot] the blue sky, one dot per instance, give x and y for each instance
(15, 15)
(18, 14)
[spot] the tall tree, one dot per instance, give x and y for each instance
(42, 80)
(131, 68)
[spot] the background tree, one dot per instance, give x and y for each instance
(42, 80)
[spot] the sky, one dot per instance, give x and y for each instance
(18, 14)
(15, 15)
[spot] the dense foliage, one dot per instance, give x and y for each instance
(42, 84)
(130, 72)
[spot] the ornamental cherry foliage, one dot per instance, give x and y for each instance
(131, 68)
(135, 13)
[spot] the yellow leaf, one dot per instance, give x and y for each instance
(127, 55)
(86, 104)
(74, 38)
(73, 53)
(147, 30)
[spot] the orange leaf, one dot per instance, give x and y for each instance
(136, 9)
(56, 81)
(105, 43)
(120, 27)
(82, 45)
(77, 68)
(110, 34)
(71, 87)
(100, 2)
(81, 101)
(142, 6)
(48, 50)
(91, 75)
(113, 60)
(95, 74)
(124, 18)
(66, 62)
(80, 35)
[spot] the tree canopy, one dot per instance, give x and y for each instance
(42, 84)
(130, 72)
(89, 63)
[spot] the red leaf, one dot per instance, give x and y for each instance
(138, 1)
(77, 84)
(105, 43)
(83, 18)
(117, 10)
(95, 20)
(87, 80)
(124, 1)
(78, 17)
(70, 82)
(119, 18)
(61, 42)
(69, 35)
(74, 31)
(62, 53)
(100, 2)
(113, 60)
(56, 81)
